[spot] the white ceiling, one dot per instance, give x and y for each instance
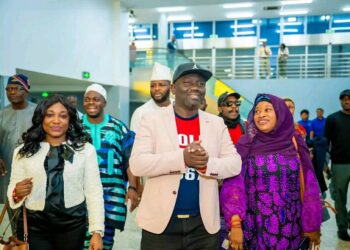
(206, 10)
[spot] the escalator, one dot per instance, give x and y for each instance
(141, 73)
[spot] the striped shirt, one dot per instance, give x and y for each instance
(113, 142)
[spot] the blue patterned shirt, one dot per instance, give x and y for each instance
(113, 143)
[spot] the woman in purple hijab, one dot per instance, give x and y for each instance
(266, 196)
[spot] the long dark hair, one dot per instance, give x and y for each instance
(76, 137)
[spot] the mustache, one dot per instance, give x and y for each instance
(233, 111)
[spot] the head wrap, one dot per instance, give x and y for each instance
(279, 140)
(97, 88)
(20, 79)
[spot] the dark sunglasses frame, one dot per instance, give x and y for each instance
(231, 103)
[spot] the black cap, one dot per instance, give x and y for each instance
(223, 97)
(345, 92)
(191, 68)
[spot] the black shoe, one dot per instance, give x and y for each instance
(343, 235)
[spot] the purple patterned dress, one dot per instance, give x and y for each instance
(266, 195)
(273, 199)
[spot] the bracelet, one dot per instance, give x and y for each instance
(236, 226)
(235, 218)
(202, 170)
(236, 222)
(132, 188)
(14, 196)
(98, 232)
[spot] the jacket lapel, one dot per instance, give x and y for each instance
(204, 124)
(170, 125)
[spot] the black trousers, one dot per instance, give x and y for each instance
(45, 234)
(70, 240)
(181, 234)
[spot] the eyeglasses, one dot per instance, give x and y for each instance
(231, 103)
(14, 89)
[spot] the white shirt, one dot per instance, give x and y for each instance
(149, 107)
(264, 52)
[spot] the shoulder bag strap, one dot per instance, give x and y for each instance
(25, 224)
(301, 172)
(3, 212)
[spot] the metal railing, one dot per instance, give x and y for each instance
(250, 67)
(296, 66)
(146, 58)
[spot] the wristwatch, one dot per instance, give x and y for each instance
(98, 232)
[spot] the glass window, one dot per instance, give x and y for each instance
(317, 24)
(203, 52)
(224, 28)
(342, 48)
(131, 32)
(269, 31)
(296, 50)
(316, 61)
(318, 49)
(142, 32)
(169, 31)
(245, 52)
(245, 28)
(155, 31)
(203, 29)
(292, 25)
(244, 63)
(341, 23)
(183, 30)
(188, 53)
(224, 52)
(340, 64)
(273, 59)
(223, 62)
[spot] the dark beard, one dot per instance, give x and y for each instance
(163, 99)
(231, 123)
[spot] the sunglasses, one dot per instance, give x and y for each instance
(231, 103)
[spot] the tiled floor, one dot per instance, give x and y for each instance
(131, 237)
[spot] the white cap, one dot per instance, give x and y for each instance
(160, 72)
(97, 88)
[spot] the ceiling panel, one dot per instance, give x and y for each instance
(200, 10)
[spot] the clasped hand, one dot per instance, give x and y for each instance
(195, 155)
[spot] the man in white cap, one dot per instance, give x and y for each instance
(160, 93)
(113, 142)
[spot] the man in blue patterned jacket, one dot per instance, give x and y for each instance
(113, 142)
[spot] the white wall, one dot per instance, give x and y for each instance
(65, 37)
(306, 93)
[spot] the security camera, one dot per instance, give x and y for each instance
(131, 14)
